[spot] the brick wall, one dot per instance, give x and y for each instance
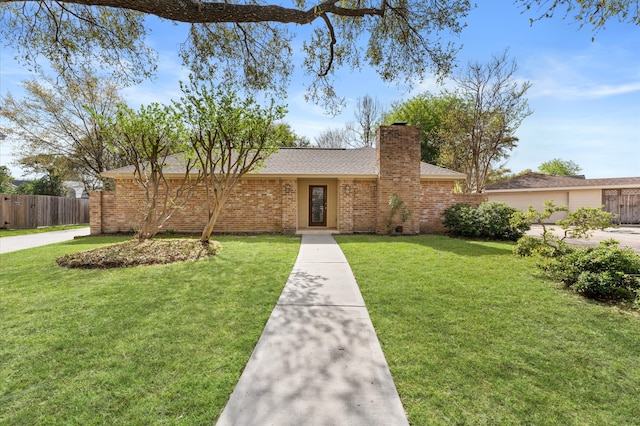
(398, 158)
(436, 197)
(365, 205)
(256, 205)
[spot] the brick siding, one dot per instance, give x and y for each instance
(260, 205)
(437, 196)
(398, 158)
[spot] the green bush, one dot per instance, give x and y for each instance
(491, 219)
(550, 247)
(460, 219)
(604, 272)
(528, 246)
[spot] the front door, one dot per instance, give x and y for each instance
(317, 205)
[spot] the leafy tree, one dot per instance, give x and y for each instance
(470, 130)
(6, 181)
(58, 130)
(146, 138)
(49, 184)
(558, 167)
(289, 137)
(482, 134)
(251, 43)
(430, 112)
(502, 173)
(229, 138)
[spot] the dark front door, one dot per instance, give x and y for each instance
(318, 205)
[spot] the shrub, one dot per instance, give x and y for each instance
(492, 219)
(605, 272)
(460, 219)
(528, 246)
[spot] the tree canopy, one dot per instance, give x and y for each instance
(470, 130)
(251, 41)
(57, 130)
(558, 167)
(430, 112)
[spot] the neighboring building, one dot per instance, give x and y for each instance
(344, 190)
(620, 196)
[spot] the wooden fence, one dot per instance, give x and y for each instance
(32, 211)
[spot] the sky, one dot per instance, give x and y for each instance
(585, 94)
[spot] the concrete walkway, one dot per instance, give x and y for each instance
(318, 361)
(9, 244)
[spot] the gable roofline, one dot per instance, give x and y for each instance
(536, 182)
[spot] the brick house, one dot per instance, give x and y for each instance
(343, 190)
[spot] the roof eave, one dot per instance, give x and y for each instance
(563, 188)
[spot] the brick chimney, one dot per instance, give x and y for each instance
(398, 161)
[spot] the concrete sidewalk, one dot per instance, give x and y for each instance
(318, 360)
(9, 244)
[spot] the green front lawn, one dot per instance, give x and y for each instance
(474, 335)
(145, 345)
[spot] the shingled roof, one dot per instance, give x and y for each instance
(539, 181)
(313, 162)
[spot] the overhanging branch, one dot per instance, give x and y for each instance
(194, 11)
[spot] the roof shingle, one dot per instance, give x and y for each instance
(539, 181)
(312, 162)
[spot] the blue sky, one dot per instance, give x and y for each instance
(585, 94)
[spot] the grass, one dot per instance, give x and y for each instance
(146, 345)
(474, 335)
(16, 232)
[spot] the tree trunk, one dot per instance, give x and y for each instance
(213, 218)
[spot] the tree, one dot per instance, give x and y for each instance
(332, 139)
(49, 184)
(578, 224)
(430, 112)
(502, 173)
(6, 181)
(482, 134)
(593, 12)
(229, 138)
(558, 167)
(302, 142)
(368, 114)
(56, 126)
(146, 138)
(250, 42)
(288, 135)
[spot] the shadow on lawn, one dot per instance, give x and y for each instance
(458, 246)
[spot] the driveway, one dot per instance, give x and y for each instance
(9, 244)
(627, 236)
